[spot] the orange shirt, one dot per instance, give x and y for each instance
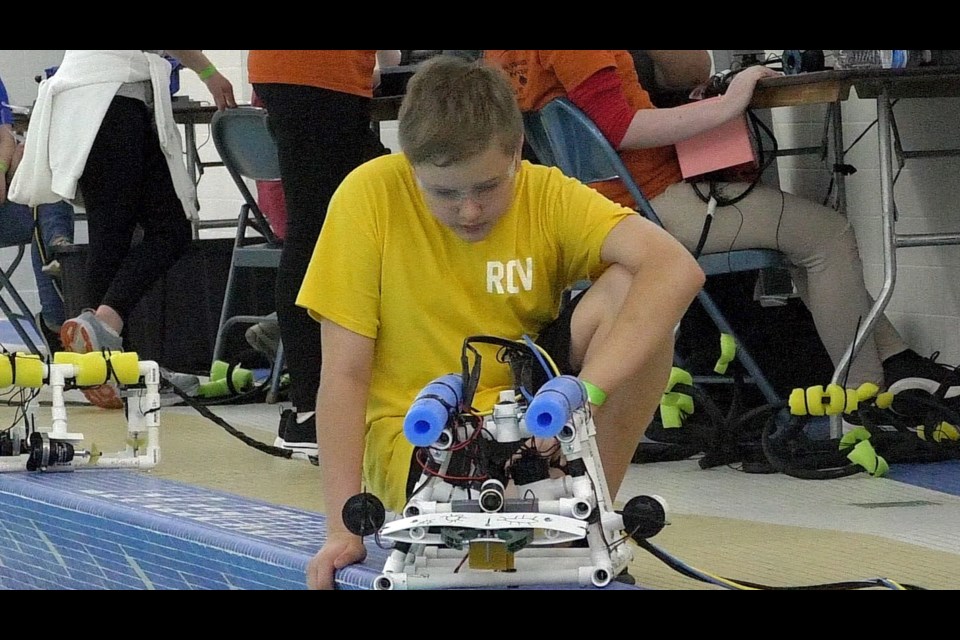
(540, 76)
(348, 71)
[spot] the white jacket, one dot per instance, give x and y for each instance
(67, 115)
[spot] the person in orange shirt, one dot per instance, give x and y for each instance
(319, 106)
(819, 242)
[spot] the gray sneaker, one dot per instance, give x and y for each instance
(87, 333)
(188, 383)
(84, 334)
(265, 337)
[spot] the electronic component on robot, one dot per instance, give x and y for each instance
(514, 496)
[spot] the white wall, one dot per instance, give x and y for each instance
(19, 68)
(925, 306)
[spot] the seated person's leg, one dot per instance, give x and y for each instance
(818, 242)
(55, 223)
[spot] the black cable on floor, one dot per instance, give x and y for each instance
(279, 452)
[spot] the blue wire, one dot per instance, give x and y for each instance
(526, 394)
(539, 356)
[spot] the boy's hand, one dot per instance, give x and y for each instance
(339, 551)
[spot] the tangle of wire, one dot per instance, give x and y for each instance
(504, 356)
(26, 396)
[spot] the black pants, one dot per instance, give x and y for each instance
(126, 182)
(321, 136)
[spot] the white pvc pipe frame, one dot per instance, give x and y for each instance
(427, 566)
(142, 415)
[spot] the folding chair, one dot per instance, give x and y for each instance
(578, 148)
(18, 222)
(536, 137)
(248, 151)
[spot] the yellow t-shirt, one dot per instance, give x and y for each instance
(384, 267)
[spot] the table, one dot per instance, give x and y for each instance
(883, 86)
(191, 113)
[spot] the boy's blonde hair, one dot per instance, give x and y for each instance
(454, 109)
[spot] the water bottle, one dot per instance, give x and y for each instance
(872, 58)
(431, 410)
(553, 404)
(894, 58)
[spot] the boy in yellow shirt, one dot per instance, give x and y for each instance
(456, 237)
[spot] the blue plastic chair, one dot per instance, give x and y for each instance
(536, 137)
(248, 151)
(567, 138)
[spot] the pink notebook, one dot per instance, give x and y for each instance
(729, 145)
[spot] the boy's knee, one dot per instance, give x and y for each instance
(596, 312)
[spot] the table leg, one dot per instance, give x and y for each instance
(838, 157)
(190, 145)
(887, 215)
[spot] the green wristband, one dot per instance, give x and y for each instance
(595, 394)
(206, 73)
(3, 168)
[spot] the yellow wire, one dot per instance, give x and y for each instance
(553, 365)
(730, 583)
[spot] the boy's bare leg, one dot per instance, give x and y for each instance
(625, 416)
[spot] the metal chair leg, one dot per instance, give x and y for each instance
(17, 317)
(743, 355)
(275, 374)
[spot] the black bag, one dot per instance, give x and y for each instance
(782, 340)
